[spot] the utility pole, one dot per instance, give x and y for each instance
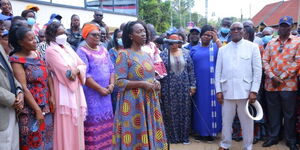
(250, 11)
(206, 11)
(190, 7)
(179, 5)
(171, 4)
(241, 14)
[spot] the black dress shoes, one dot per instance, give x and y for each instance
(269, 143)
(293, 147)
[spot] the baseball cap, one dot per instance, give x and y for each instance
(32, 7)
(195, 29)
(57, 16)
(287, 20)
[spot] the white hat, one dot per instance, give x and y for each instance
(258, 108)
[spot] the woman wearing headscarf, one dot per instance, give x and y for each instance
(207, 119)
(36, 118)
(98, 88)
(138, 121)
(177, 88)
(68, 72)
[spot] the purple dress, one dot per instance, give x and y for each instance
(98, 127)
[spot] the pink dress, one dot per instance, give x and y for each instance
(70, 101)
(159, 67)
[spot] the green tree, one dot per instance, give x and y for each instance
(155, 12)
(181, 10)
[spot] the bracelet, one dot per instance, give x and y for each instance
(193, 88)
(218, 40)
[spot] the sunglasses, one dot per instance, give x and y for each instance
(95, 35)
(236, 29)
(98, 15)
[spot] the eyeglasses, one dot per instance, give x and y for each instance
(236, 29)
(99, 15)
(280, 48)
(95, 35)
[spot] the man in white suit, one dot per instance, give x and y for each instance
(238, 77)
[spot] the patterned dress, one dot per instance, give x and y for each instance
(138, 123)
(98, 126)
(36, 78)
(176, 99)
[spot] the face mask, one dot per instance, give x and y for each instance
(120, 42)
(225, 30)
(266, 39)
(35, 14)
(61, 39)
(55, 20)
(31, 21)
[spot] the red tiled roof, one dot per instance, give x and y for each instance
(271, 13)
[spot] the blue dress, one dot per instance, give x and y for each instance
(207, 119)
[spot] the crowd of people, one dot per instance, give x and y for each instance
(85, 88)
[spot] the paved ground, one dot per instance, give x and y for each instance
(200, 145)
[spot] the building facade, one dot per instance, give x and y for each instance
(115, 12)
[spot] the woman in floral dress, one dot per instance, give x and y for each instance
(177, 88)
(35, 120)
(138, 120)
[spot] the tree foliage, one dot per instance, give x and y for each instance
(166, 13)
(155, 12)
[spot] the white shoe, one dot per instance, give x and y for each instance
(186, 143)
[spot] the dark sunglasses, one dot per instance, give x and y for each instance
(95, 35)
(236, 29)
(99, 15)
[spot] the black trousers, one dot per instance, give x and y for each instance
(282, 105)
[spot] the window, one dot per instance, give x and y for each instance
(97, 4)
(44, 0)
(118, 6)
(125, 6)
(77, 3)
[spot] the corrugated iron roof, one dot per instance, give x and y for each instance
(271, 13)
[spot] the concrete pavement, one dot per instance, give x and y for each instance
(200, 145)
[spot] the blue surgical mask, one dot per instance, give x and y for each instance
(266, 39)
(120, 42)
(225, 30)
(31, 21)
